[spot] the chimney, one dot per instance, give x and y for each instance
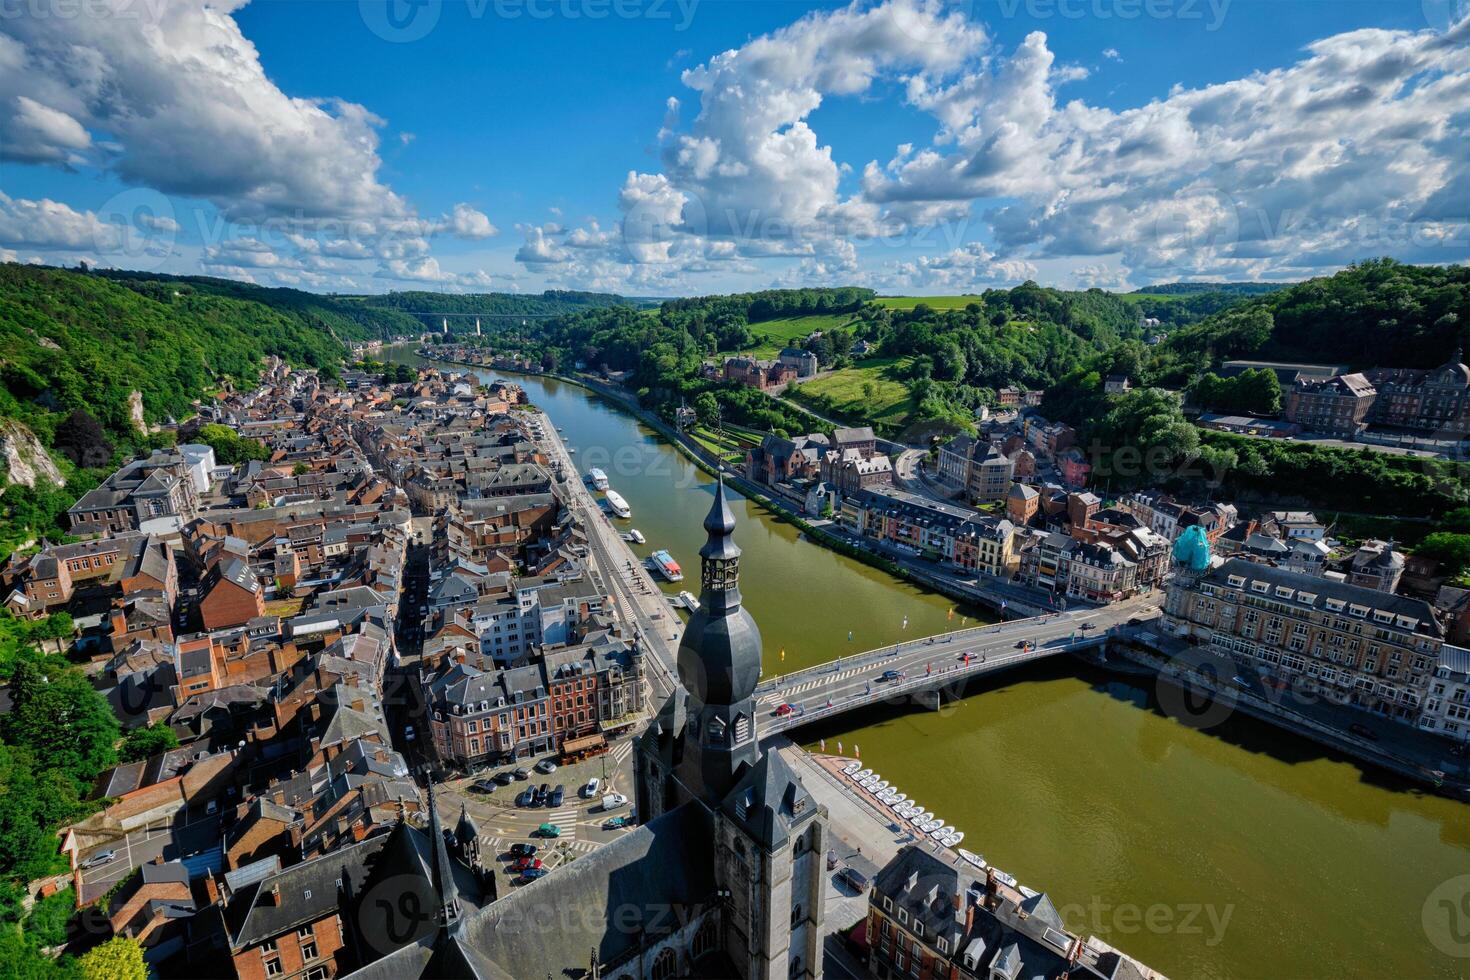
(211, 888)
(272, 897)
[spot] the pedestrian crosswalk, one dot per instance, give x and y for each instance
(782, 693)
(622, 751)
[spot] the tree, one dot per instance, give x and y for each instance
(707, 407)
(1450, 549)
(140, 743)
(83, 440)
(300, 469)
(228, 447)
(61, 718)
(120, 958)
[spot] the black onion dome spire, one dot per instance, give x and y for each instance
(720, 655)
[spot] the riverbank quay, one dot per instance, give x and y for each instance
(865, 836)
(1002, 598)
(1209, 687)
(658, 627)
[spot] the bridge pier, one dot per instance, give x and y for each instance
(933, 700)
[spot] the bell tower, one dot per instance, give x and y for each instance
(719, 666)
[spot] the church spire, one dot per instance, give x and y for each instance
(719, 559)
(719, 666)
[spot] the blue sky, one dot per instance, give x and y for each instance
(927, 147)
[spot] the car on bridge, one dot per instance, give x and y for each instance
(891, 675)
(782, 710)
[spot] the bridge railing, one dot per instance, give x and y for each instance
(958, 672)
(878, 654)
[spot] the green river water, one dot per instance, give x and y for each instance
(1239, 852)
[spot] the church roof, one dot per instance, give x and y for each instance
(607, 901)
(769, 801)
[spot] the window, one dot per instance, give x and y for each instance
(664, 965)
(308, 950)
(273, 967)
(315, 973)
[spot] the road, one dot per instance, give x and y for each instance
(935, 662)
(638, 597)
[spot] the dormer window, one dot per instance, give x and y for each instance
(1261, 587)
(716, 730)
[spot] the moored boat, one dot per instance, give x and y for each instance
(636, 536)
(597, 478)
(688, 601)
(664, 564)
(618, 505)
(953, 840)
(973, 859)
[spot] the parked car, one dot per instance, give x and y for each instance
(590, 790)
(543, 793)
(613, 800)
(521, 864)
(614, 823)
(527, 798)
(504, 778)
(782, 710)
(99, 859)
(854, 879)
(522, 850)
(557, 795)
(485, 785)
(522, 773)
(531, 874)
(546, 766)
(548, 830)
(1363, 731)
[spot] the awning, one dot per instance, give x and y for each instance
(587, 743)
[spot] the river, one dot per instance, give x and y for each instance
(1241, 852)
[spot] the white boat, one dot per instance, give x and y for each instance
(636, 536)
(953, 840)
(597, 478)
(688, 601)
(1004, 878)
(863, 775)
(571, 449)
(932, 825)
(903, 810)
(973, 859)
(664, 564)
(900, 798)
(618, 505)
(919, 819)
(941, 833)
(1028, 892)
(851, 768)
(882, 785)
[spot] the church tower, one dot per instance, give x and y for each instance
(719, 666)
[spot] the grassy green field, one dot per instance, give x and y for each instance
(933, 302)
(772, 335)
(841, 393)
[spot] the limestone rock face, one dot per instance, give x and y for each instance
(26, 460)
(135, 412)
